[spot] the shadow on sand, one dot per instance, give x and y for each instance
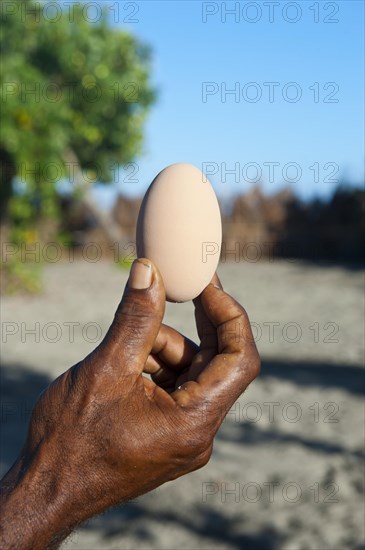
(205, 523)
(318, 374)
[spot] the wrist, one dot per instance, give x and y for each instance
(34, 505)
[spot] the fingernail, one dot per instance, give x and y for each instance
(216, 286)
(141, 274)
(216, 282)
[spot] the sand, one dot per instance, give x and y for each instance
(286, 471)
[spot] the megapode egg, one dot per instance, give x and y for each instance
(179, 228)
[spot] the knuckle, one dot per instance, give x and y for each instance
(203, 458)
(256, 365)
(252, 373)
(251, 363)
(193, 444)
(239, 312)
(243, 313)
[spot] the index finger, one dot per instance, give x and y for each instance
(206, 330)
(237, 363)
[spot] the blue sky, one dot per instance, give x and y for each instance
(198, 52)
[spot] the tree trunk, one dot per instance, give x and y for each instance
(104, 219)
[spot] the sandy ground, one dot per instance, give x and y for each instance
(286, 471)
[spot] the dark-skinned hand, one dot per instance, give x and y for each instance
(102, 433)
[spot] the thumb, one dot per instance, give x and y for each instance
(138, 317)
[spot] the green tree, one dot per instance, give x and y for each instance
(74, 98)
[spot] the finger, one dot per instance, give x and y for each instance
(237, 363)
(171, 349)
(172, 353)
(206, 330)
(216, 281)
(165, 378)
(236, 344)
(208, 337)
(138, 318)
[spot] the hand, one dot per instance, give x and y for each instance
(103, 433)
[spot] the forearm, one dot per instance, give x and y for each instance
(33, 508)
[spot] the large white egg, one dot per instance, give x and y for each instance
(179, 228)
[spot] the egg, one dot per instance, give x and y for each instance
(179, 228)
